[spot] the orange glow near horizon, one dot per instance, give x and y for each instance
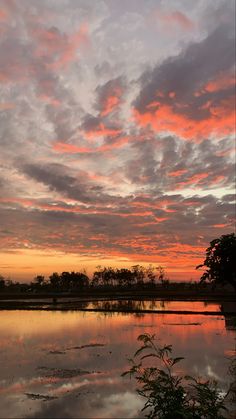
(24, 264)
(117, 135)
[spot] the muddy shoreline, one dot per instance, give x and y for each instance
(159, 293)
(72, 302)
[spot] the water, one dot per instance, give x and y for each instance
(46, 369)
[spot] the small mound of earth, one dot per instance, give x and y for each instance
(90, 345)
(183, 324)
(62, 373)
(144, 325)
(42, 397)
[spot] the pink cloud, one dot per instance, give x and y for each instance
(102, 131)
(57, 49)
(177, 173)
(62, 147)
(221, 82)
(218, 179)
(111, 100)
(110, 104)
(174, 19)
(49, 100)
(6, 106)
(178, 18)
(193, 180)
(220, 225)
(3, 15)
(221, 121)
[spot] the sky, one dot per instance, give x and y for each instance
(117, 122)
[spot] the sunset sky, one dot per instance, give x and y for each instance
(117, 123)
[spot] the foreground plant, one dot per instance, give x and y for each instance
(170, 396)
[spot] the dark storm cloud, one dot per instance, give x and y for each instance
(185, 74)
(76, 187)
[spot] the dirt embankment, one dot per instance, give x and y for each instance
(127, 301)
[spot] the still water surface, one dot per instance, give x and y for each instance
(47, 369)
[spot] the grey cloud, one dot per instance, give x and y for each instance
(120, 226)
(187, 72)
(51, 105)
(114, 88)
(229, 198)
(156, 159)
(74, 186)
(93, 123)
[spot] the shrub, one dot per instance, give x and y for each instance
(168, 395)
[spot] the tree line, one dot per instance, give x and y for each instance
(219, 264)
(137, 277)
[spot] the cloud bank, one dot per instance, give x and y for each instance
(117, 131)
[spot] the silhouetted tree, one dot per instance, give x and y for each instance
(220, 261)
(125, 277)
(38, 283)
(151, 277)
(97, 277)
(68, 281)
(78, 281)
(54, 280)
(2, 282)
(39, 280)
(9, 283)
(108, 276)
(65, 279)
(139, 274)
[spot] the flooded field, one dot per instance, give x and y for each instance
(69, 364)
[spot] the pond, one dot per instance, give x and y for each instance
(68, 364)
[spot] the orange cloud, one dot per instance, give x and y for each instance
(193, 180)
(49, 100)
(6, 106)
(73, 208)
(226, 152)
(61, 147)
(221, 82)
(111, 102)
(218, 179)
(178, 18)
(164, 119)
(163, 204)
(74, 42)
(21, 201)
(3, 15)
(102, 131)
(117, 144)
(220, 225)
(177, 173)
(174, 19)
(58, 49)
